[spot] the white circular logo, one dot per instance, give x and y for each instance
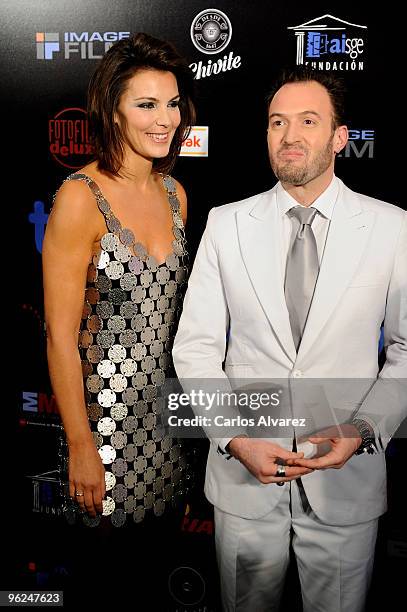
(211, 31)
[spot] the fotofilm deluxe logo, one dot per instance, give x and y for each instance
(330, 43)
(68, 138)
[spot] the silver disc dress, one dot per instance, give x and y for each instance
(131, 308)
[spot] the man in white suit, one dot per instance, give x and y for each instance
(295, 283)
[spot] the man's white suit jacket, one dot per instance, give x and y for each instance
(235, 314)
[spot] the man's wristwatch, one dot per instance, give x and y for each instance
(368, 444)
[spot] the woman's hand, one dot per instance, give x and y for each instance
(86, 477)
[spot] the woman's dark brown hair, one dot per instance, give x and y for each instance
(121, 62)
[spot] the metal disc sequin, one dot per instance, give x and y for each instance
(107, 398)
(92, 273)
(147, 307)
(140, 250)
(122, 253)
(148, 364)
(116, 324)
(140, 437)
(92, 295)
(107, 454)
(118, 382)
(149, 475)
(103, 204)
(128, 310)
(130, 504)
(138, 514)
(128, 338)
(151, 263)
(130, 396)
(147, 335)
(146, 278)
(128, 281)
(119, 493)
(156, 347)
(105, 338)
(138, 294)
(163, 275)
(170, 288)
(117, 353)
(101, 260)
(115, 270)
(106, 368)
(130, 452)
(162, 304)
(113, 224)
(149, 449)
(154, 291)
(169, 184)
(155, 320)
(105, 309)
(130, 479)
(108, 506)
(149, 500)
(103, 284)
(135, 265)
(128, 367)
(109, 242)
(117, 296)
(126, 236)
(129, 424)
(138, 351)
(118, 440)
(97, 438)
(118, 412)
(139, 380)
(158, 377)
(119, 467)
(140, 409)
(159, 507)
(106, 426)
(94, 383)
(110, 480)
(95, 412)
(140, 466)
(172, 261)
(118, 517)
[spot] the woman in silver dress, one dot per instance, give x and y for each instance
(114, 262)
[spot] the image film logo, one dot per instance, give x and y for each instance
(330, 43)
(47, 44)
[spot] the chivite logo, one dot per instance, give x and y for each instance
(330, 43)
(47, 45)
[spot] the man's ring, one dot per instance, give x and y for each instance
(79, 494)
(280, 471)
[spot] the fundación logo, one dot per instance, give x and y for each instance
(85, 45)
(211, 33)
(330, 43)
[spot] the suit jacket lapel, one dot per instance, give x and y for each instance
(260, 234)
(346, 241)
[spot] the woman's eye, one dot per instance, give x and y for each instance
(174, 104)
(146, 105)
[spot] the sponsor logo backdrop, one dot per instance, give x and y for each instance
(235, 50)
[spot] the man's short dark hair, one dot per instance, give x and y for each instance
(334, 85)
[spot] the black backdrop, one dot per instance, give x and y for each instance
(42, 95)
